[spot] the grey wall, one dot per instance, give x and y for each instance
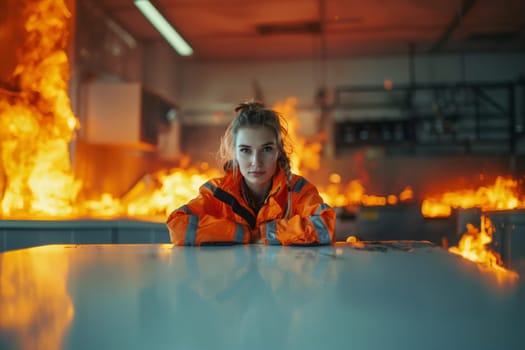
(161, 71)
(209, 87)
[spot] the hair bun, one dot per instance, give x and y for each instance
(249, 106)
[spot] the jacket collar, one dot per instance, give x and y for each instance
(233, 181)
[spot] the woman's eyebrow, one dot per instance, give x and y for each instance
(271, 143)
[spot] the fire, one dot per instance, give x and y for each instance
(474, 246)
(106, 206)
(354, 194)
(407, 194)
(37, 124)
(165, 191)
(432, 209)
(503, 194)
(305, 156)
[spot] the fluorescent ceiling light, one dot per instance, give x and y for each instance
(162, 25)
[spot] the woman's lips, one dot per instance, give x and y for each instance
(256, 173)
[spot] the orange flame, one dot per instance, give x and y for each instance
(474, 246)
(354, 194)
(407, 194)
(37, 124)
(305, 156)
(431, 209)
(165, 191)
(501, 195)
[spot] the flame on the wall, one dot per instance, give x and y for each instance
(474, 246)
(503, 194)
(305, 156)
(37, 124)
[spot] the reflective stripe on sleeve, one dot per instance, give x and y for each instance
(299, 185)
(239, 233)
(210, 186)
(185, 209)
(271, 230)
(322, 230)
(191, 230)
(322, 207)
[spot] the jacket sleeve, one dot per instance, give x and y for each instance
(312, 221)
(200, 222)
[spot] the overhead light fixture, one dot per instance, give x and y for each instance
(162, 25)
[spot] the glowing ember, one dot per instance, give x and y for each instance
(335, 178)
(406, 195)
(391, 199)
(502, 195)
(37, 124)
(474, 246)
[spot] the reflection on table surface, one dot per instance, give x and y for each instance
(253, 297)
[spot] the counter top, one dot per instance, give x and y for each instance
(405, 295)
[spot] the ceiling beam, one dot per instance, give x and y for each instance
(466, 6)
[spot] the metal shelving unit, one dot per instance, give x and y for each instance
(463, 118)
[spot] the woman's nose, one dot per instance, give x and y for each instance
(256, 158)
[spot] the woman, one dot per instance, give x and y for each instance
(258, 199)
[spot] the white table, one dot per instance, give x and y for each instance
(403, 296)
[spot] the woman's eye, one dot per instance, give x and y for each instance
(244, 150)
(268, 149)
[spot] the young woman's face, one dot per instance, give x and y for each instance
(257, 153)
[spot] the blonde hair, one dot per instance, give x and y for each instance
(253, 114)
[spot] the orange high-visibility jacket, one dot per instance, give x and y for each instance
(219, 214)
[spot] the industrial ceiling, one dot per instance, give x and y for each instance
(228, 30)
